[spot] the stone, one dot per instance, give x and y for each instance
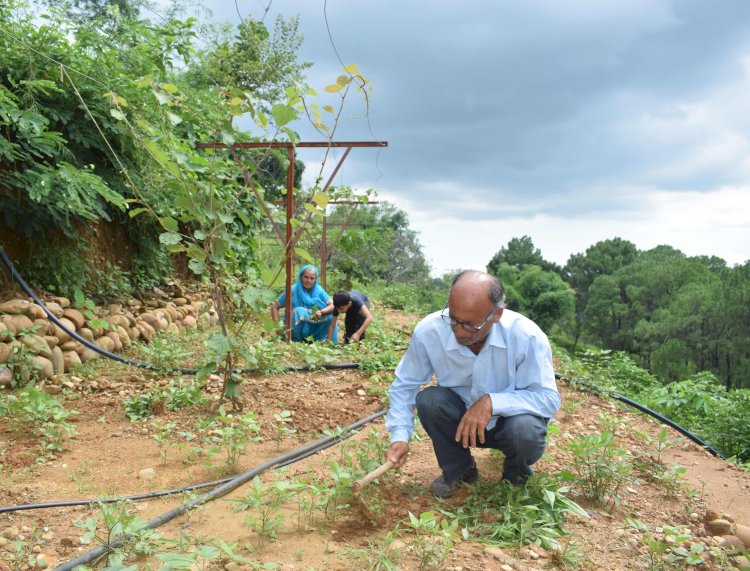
(63, 302)
(106, 343)
(36, 312)
(43, 366)
(52, 389)
(115, 339)
(4, 332)
(6, 376)
(44, 327)
(172, 329)
(87, 334)
(20, 322)
(89, 355)
(52, 341)
(190, 321)
(146, 331)
(37, 345)
(60, 333)
(58, 361)
(5, 352)
(54, 308)
(147, 474)
(731, 541)
(152, 320)
(718, 527)
(75, 316)
(15, 307)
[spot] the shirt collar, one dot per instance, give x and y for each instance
(495, 338)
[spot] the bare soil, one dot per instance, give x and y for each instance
(109, 451)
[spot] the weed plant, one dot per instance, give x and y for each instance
(376, 557)
(178, 394)
(599, 468)
(434, 538)
(32, 411)
(502, 514)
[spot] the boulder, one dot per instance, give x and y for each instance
(52, 341)
(743, 532)
(36, 312)
(180, 301)
(152, 320)
(63, 302)
(15, 307)
(60, 332)
(37, 345)
(20, 322)
(4, 332)
(106, 343)
(54, 308)
(44, 327)
(9, 326)
(89, 355)
(115, 339)
(87, 334)
(190, 321)
(146, 330)
(6, 376)
(58, 361)
(43, 366)
(71, 360)
(75, 316)
(5, 352)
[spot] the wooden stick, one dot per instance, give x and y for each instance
(374, 475)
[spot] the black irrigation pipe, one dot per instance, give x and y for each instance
(684, 431)
(230, 485)
(140, 364)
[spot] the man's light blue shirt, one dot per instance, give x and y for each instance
(514, 367)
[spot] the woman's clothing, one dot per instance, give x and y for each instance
(305, 302)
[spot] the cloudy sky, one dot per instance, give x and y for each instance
(570, 121)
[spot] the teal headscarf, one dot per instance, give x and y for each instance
(316, 295)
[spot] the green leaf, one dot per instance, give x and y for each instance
(321, 199)
(335, 88)
(198, 266)
(343, 80)
(351, 68)
(117, 114)
(161, 157)
(174, 119)
(161, 97)
(170, 238)
(304, 254)
(171, 87)
(169, 223)
(218, 343)
(136, 211)
(283, 114)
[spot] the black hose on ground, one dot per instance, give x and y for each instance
(140, 364)
(229, 486)
(304, 453)
(661, 418)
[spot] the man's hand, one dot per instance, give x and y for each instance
(472, 425)
(355, 336)
(397, 453)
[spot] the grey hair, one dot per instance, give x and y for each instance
(495, 291)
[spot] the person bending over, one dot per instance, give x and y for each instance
(495, 385)
(356, 307)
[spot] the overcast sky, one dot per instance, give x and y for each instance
(570, 121)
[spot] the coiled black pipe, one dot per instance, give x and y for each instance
(232, 484)
(140, 364)
(684, 431)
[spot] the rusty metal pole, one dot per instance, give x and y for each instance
(289, 247)
(323, 253)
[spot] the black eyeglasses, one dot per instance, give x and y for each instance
(465, 325)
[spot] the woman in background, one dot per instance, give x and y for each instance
(312, 307)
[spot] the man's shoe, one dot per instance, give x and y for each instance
(442, 489)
